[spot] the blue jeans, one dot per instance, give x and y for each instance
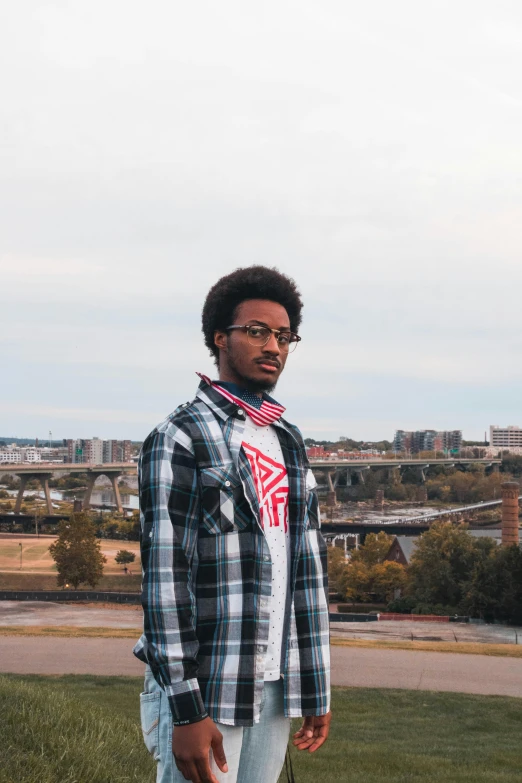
(254, 754)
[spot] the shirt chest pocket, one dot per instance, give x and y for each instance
(223, 507)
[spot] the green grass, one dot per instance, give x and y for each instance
(80, 729)
(13, 580)
(71, 730)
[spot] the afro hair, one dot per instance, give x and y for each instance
(251, 282)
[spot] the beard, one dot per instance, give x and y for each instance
(251, 384)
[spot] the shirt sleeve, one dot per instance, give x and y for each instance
(169, 513)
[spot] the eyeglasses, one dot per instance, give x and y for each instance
(260, 335)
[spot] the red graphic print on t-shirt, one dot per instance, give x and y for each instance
(271, 482)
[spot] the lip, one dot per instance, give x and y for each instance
(268, 366)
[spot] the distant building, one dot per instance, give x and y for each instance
(96, 451)
(10, 455)
(17, 454)
(505, 438)
(401, 549)
(316, 451)
(427, 440)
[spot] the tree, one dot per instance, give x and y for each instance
(77, 552)
(388, 577)
(336, 568)
(495, 588)
(364, 569)
(443, 562)
(123, 557)
(375, 548)
(357, 581)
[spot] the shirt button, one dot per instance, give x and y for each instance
(266, 558)
(240, 412)
(227, 483)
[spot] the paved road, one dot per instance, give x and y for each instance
(350, 666)
(410, 630)
(50, 613)
(129, 616)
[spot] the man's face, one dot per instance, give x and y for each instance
(255, 367)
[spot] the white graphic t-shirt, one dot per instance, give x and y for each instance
(261, 446)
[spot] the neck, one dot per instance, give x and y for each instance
(230, 377)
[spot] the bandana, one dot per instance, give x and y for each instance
(262, 410)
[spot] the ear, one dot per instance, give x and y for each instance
(220, 340)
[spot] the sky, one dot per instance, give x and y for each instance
(369, 150)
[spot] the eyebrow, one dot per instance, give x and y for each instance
(262, 323)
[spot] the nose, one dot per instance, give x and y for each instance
(272, 346)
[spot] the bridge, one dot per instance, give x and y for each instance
(414, 525)
(335, 469)
(43, 471)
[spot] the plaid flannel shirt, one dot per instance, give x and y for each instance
(207, 570)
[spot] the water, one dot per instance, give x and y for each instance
(99, 497)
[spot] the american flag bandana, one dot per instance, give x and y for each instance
(262, 410)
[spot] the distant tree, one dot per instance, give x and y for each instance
(494, 591)
(77, 552)
(387, 579)
(443, 563)
(117, 527)
(10, 481)
(379, 582)
(357, 581)
(124, 557)
(367, 576)
(375, 548)
(336, 568)
(512, 463)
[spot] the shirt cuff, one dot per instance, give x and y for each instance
(186, 704)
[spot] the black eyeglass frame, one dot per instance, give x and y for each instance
(294, 338)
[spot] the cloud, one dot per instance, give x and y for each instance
(371, 151)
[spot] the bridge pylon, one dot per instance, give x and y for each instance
(43, 478)
(93, 475)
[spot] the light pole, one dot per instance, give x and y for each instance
(21, 552)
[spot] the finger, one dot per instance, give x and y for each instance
(204, 772)
(188, 770)
(303, 744)
(308, 734)
(320, 739)
(316, 744)
(219, 753)
(306, 729)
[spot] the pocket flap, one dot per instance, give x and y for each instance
(220, 476)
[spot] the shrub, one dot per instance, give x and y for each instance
(404, 605)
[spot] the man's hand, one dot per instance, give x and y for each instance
(313, 733)
(191, 747)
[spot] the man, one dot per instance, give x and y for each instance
(234, 565)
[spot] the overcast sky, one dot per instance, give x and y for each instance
(370, 150)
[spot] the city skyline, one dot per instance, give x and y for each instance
(376, 160)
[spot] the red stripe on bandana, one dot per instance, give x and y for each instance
(266, 414)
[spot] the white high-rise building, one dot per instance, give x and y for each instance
(505, 438)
